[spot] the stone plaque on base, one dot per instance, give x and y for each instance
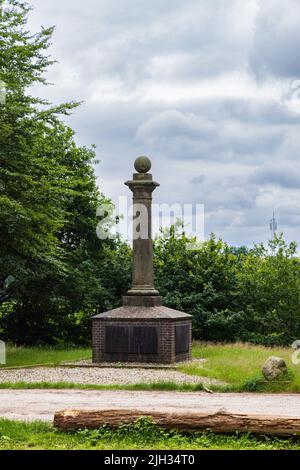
(131, 339)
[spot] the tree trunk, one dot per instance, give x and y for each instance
(220, 422)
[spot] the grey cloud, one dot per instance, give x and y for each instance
(290, 147)
(252, 111)
(173, 123)
(234, 198)
(192, 136)
(283, 174)
(228, 193)
(247, 148)
(136, 40)
(198, 179)
(288, 220)
(276, 46)
(246, 110)
(230, 201)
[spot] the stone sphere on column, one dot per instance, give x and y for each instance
(142, 164)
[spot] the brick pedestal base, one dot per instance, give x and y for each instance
(142, 334)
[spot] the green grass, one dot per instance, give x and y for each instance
(143, 434)
(240, 366)
(162, 386)
(26, 356)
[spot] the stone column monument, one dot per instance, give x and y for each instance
(142, 330)
(142, 187)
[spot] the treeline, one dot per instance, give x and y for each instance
(234, 294)
(54, 271)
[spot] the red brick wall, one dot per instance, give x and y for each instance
(166, 341)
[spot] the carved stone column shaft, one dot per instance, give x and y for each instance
(142, 186)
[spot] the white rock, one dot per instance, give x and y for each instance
(274, 367)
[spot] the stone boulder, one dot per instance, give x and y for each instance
(274, 367)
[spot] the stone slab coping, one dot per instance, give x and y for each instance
(144, 313)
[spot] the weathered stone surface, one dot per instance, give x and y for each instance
(142, 187)
(143, 313)
(142, 301)
(142, 164)
(274, 367)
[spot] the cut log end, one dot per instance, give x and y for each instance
(220, 422)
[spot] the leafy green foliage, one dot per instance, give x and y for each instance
(269, 292)
(51, 261)
(145, 432)
(199, 280)
(233, 295)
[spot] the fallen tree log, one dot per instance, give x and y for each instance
(220, 422)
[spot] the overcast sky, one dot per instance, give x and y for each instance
(209, 89)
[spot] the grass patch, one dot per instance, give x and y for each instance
(259, 384)
(160, 386)
(26, 356)
(143, 434)
(240, 366)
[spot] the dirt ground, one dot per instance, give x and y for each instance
(31, 405)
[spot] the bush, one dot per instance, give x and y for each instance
(233, 294)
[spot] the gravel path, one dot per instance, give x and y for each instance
(42, 404)
(100, 376)
(132, 365)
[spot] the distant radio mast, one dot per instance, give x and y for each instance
(273, 225)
